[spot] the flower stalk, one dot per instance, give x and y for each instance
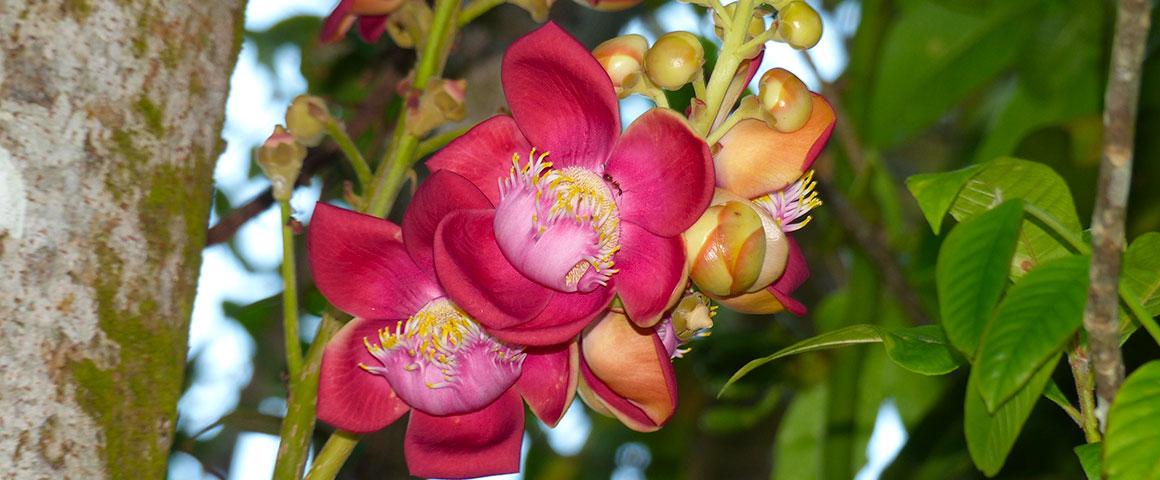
(298, 425)
(333, 455)
(290, 294)
(727, 64)
(362, 170)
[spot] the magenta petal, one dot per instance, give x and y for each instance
(483, 155)
(371, 27)
(561, 97)
(797, 271)
(350, 398)
(548, 381)
(476, 276)
(664, 171)
(652, 273)
(442, 193)
(360, 265)
(561, 320)
(486, 442)
(335, 25)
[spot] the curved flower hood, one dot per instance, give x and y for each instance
(410, 348)
(570, 211)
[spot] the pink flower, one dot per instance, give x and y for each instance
(574, 211)
(410, 348)
(371, 15)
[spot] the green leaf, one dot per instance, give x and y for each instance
(1132, 442)
(1089, 459)
(1142, 271)
(1034, 183)
(1053, 393)
(936, 191)
(971, 272)
(1031, 325)
(922, 349)
(990, 436)
(934, 57)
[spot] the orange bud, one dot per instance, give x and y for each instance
(785, 101)
(799, 25)
(623, 58)
(725, 248)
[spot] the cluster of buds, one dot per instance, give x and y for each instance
(281, 155)
(674, 61)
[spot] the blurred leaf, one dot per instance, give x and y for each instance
(933, 57)
(255, 316)
(922, 349)
(991, 436)
(1089, 458)
(1031, 325)
(1142, 271)
(1037, 184)
(1060, 76)
(291, 32)
(935, 192)
(887, 198)
(1132, 441)
(972, 272)
(797, 450)
(727, 419)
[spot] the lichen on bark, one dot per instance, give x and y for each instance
(111, 123)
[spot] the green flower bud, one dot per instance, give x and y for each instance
(674, 60)
(306, 118)
(280, 158)
(799, 25)
(786, 103)
(441, 102)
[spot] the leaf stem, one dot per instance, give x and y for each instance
(333, 455)
(290, 294)
(1081, 370)
(1101, 314)
(342, 139)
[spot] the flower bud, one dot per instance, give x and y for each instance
(756, 25)
(786, 103)
(537, 9)
(674, 60)
(799, 25)
(306, 118)
(623, 58)
(281, 159)
(609, 5)
(725, 248)
(409, 24)
(440, 102)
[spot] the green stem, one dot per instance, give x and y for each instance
(1085, 387)
(727, 63)
(290, 294)
(430, 145)
(722, 129)
(298, 425)
(333, 455)
(361, 169)
(389, 179)
(476, 8)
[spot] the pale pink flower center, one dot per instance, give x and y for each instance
(792, 203)
(441, 362)
(560, 228)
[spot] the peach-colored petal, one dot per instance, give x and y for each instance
(634, 365)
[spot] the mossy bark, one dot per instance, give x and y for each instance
(109, 128)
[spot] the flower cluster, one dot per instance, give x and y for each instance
(549, 254)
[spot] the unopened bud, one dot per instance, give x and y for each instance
(693, 316)
(725, 248)
(623, 58)
(786, 103)
(409, 24)
(799, 25)
(281, 159)
(674, 60)
(537, 9)
(609, 5)
(306, 118)
(439, 103)
(756, 25)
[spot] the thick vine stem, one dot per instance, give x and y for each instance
(727, 64)
(333, 455)
(290, 294)
(1101, 315)
(298, 425)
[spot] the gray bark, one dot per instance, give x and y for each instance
(110, 119)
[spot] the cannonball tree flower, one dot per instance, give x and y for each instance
(626, 371)
(370, 14)
(575, 211)
(410, 348)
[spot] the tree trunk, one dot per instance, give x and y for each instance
(110, 119)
